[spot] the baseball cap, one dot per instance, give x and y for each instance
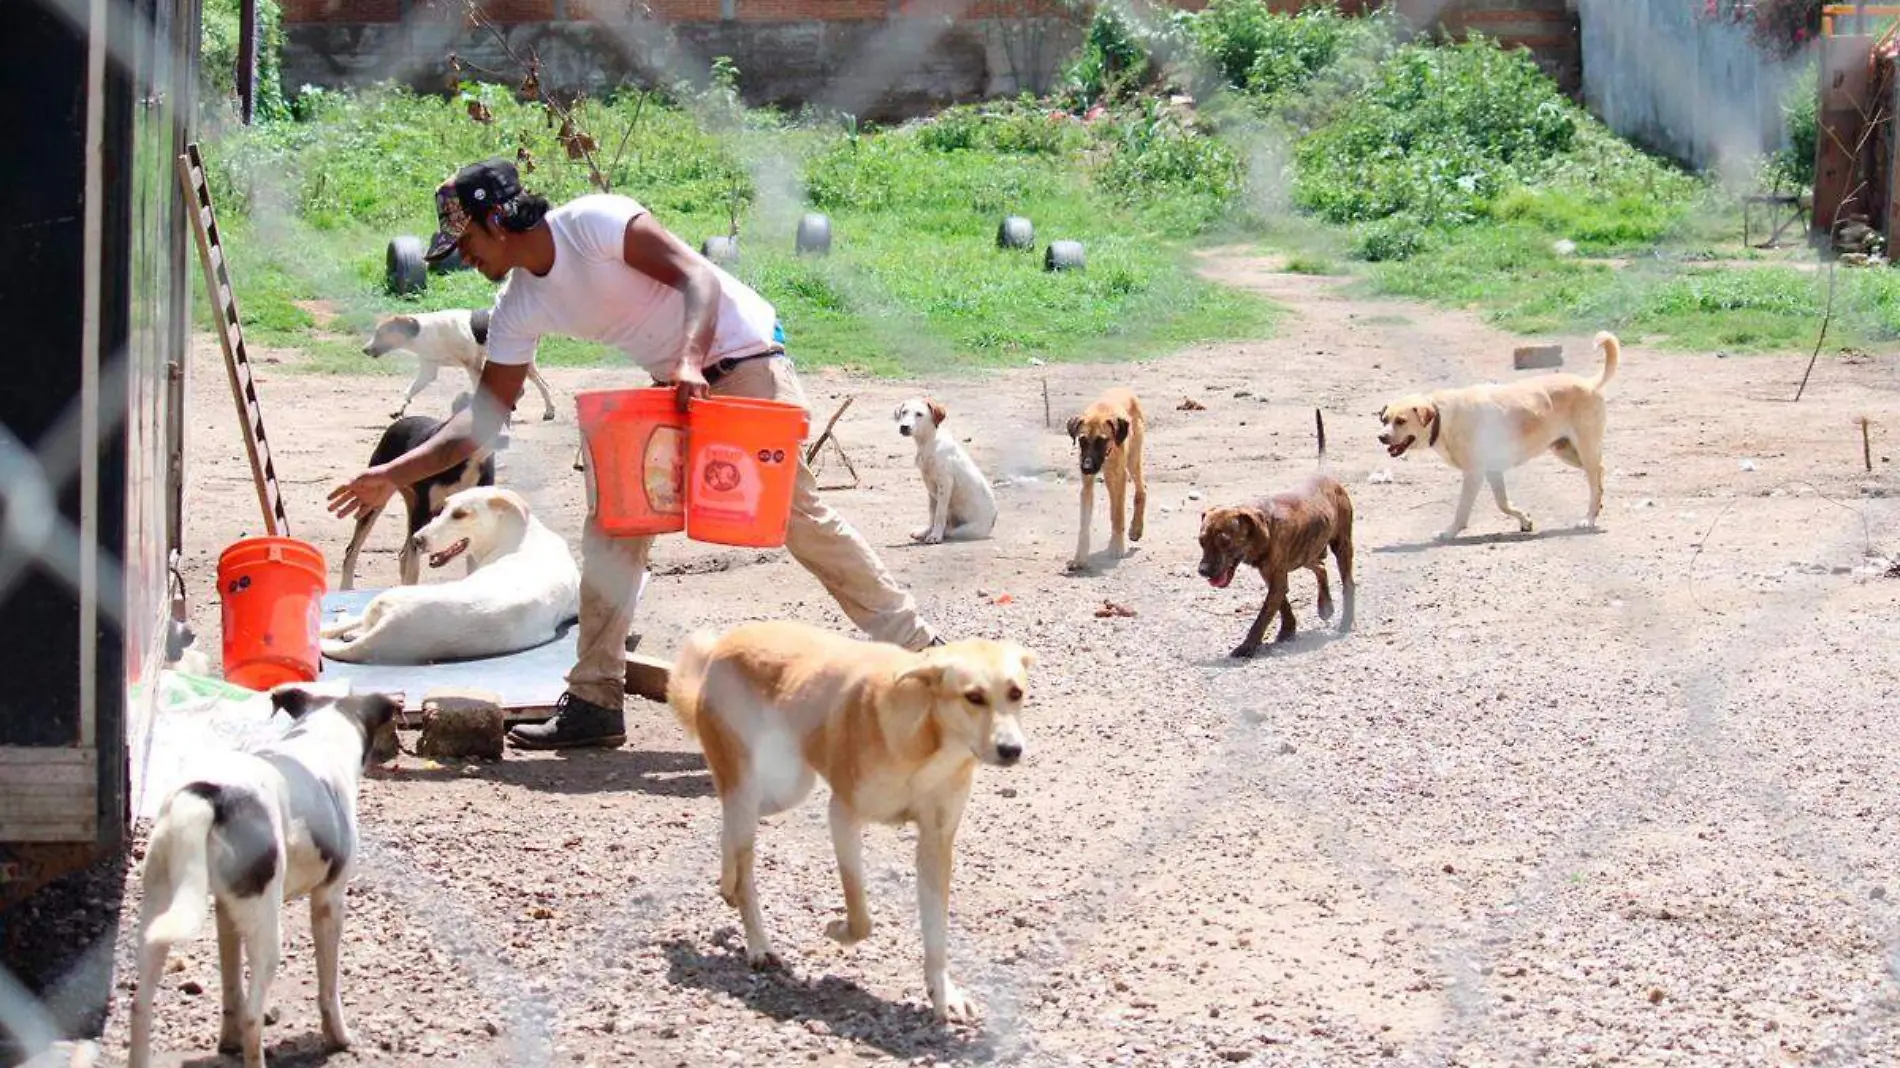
(467, 196)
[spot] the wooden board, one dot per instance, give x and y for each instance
(48, 794)
(1844, 88)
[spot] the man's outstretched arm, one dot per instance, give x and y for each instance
(467, 432)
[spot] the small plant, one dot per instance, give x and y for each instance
(1184, 180)
(1388, 239)
(720, 105)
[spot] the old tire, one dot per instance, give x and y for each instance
(1016, 232)
(721, 250)
(814, 234)
(404, 271)
(1064, 256)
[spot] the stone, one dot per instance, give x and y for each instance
(461, 722)
(1537, 357)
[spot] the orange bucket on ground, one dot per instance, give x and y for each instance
(636, 456)
(271, 590)
(742, 464)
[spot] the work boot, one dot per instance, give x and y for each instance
(576, 724)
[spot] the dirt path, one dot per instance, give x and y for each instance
(1611, 798)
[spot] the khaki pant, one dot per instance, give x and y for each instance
(817, 537)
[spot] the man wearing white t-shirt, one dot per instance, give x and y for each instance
(600, 268)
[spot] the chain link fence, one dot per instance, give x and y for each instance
(1256, 752)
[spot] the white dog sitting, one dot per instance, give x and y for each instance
(962, 505)
(454, 338)
(259, 829)
(523, 586)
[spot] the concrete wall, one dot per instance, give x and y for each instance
(879, 59)
(1693, 90)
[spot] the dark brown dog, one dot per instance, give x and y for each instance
(1279, 535)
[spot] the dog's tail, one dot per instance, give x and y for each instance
(687, 677)
(1319, 431)
(177, 872)
(1612, 350)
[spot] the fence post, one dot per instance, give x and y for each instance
(247, 60)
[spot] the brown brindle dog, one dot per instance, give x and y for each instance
(1279, 535)
(1107, 438)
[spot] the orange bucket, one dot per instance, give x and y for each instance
(636, 454)
(742, 455)
(271, 590)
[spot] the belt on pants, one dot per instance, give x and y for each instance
(713, 372)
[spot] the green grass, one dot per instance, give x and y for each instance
(1665, 295)
(1451, 174)
(914, 283)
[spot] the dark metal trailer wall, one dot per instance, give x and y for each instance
(97, 98)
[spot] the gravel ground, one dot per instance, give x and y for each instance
(1622, 797)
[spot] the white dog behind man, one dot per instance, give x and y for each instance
(524, 586)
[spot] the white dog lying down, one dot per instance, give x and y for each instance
(454, 338)
(259, 829)
(523, 586)
(962, 505)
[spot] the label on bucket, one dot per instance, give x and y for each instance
(664, 469)
(726, 484)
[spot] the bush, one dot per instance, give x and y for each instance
(1268, 53)
(1437, 135)
(1119, 57)
(1795, 163)
(1023, 127)
(1179, 179)
(1388, 239)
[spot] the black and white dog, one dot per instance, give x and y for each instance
(261, 828)
(424, 500)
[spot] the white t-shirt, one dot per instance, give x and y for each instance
(592, 294)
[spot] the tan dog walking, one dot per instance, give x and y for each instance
(1486, 430)
(1108, 437)
(896, 735)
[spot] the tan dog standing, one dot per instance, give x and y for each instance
(896, 735)
(1486, 430)
(1108, 436)
(1279, 535)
